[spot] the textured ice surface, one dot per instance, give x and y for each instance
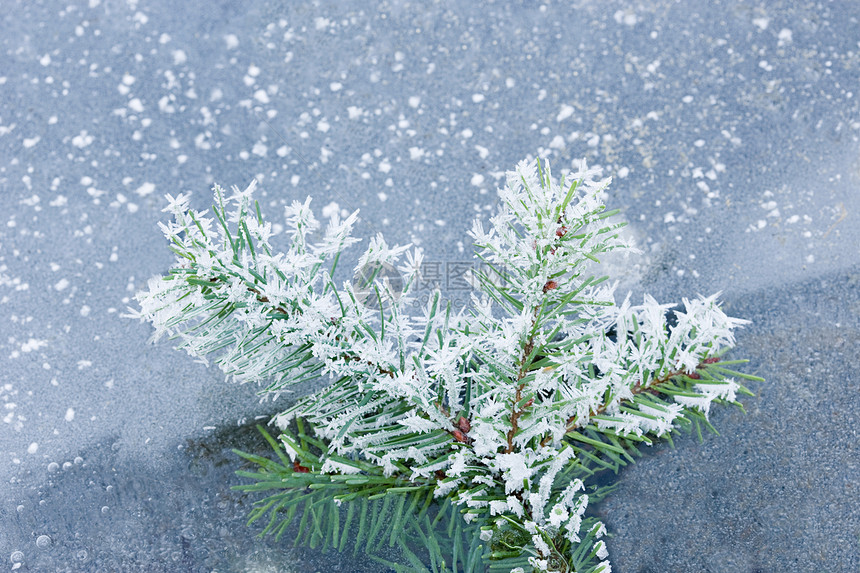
(731, 130)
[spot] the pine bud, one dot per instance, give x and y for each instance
(464, 424)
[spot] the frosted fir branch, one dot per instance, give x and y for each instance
(502, 411)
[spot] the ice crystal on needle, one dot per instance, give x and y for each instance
(490, 420)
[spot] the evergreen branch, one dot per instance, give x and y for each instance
(467, 441)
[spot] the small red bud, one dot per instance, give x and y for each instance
(459, 436)
(464, 424)
(561, 231)
(711, 360)
(298, 468)
(694, 376)
(550, 285)
(529, 403)
(440, 475)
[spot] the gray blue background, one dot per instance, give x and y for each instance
(731, 131)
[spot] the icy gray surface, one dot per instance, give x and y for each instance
(731, 130)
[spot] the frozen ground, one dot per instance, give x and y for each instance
(731, 129)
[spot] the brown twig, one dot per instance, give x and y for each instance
(638, 388)
(527, 350)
